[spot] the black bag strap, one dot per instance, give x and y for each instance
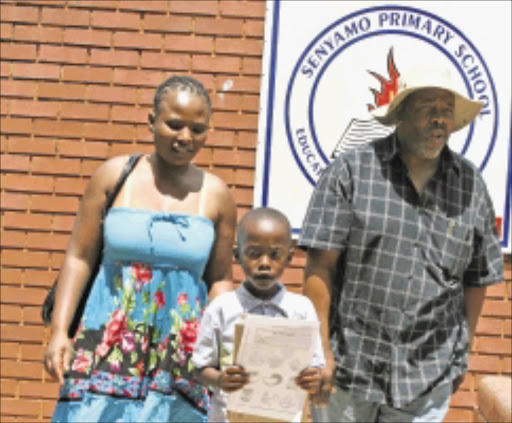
(128, 167)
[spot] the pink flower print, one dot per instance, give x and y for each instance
(82, 362)
(164, 344)
(160, 299)
(115, 366)
(140, 368)
(128, 342)
(142, 273)
(144, 344)
(113, 332)
(182, 298)
(188, 335)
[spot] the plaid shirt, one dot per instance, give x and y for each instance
(398, 326)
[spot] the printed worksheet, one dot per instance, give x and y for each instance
(274, 351)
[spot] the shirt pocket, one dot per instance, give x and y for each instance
(451, 247)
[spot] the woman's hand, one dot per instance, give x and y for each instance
(310, 379)
(58, 355)
(232, 379)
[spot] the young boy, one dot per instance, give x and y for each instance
(264, 249)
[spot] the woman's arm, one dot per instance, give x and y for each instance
(218, 272)
(78, 262)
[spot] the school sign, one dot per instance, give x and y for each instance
(328, 64)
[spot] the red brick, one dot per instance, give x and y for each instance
(220, 138)
(506, 365)
(27, 183)
(254, 29)
(14, 163)
(243, 84)
(21, 333)
(9, 350)
(12, 239)
(137, 40)
(204, 157)
(39, 390)
(38, 34)
(498, 291)
(90, 166)
(243, 196)
(112, 95)
(22, 296)
(61, 91)
(65, 17)
(18, 407)
(18, 89)
(145, 97)
(93, 4)
(488, 345)
(70, 186)
(16, 126)
(80, 111)
(11, 276)
(245, 158)
(250, 103)
(137, 78)
(86, 74)
(58, 128)
(193, 7)
(489, 326)
(245, 47)
(34, 108)
(225, 174)
(244, 177)
(40, 278)
(19, 14)
(246, 9)
(111, 57)
(484, 363)
(63, 223)
(216, 64)
(144, 135)
(111, 132)
(80, 149)
(37, 71)
(235, 121)
(121, 149)
(55, 166)
(115, 20)
(46, 242)
(186, 43)
(11, 313)
(13, 201)
(219, 27)
(6, 31)
(36, 146)
(247, 140)
(58, 54)
(32, 316)
(9, 387)
(23, 259)
(11, 51)
(31, 352)
(497, 308)
(87, 37)
(154, 6)
(457, 415)
(251, 66)
(167, 24)
(129, 114)
(42, 203)
(56, 260)
(163, 61)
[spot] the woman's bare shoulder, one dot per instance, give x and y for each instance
(219, 194)
(106, 175)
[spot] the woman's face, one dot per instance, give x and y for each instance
(180, 126)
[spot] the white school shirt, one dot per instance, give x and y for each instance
(214, 346)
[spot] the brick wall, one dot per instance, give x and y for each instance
(77, 80)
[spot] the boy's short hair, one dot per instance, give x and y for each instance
(262, 213)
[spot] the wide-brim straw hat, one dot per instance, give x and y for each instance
(425, 76)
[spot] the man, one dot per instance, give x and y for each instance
(400, 245)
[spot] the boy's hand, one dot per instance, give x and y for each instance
(310, 379)
(233, 379)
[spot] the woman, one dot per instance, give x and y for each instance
(167, 242)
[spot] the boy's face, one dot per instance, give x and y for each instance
(264, 251)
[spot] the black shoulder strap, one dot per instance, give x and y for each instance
(128, 167)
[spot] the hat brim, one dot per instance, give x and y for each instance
(466, 110)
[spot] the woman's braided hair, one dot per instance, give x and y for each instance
(180, 83)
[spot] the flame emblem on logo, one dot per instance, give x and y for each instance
(388, 87)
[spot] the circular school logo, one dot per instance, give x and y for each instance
(353, 65)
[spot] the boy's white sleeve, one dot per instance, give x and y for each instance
(206, 351)
(318, 359)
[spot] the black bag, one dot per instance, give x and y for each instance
(47, 309)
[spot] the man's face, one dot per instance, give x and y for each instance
(426, 121)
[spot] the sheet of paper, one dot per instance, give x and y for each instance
(274, 351)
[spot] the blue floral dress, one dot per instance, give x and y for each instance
(133, 348)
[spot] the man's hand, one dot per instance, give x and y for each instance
(232, 379)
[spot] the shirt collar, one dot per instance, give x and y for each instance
(391, 148)
(250, 302)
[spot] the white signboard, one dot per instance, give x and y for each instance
(326, 64)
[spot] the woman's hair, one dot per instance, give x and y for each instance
(180, 83)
